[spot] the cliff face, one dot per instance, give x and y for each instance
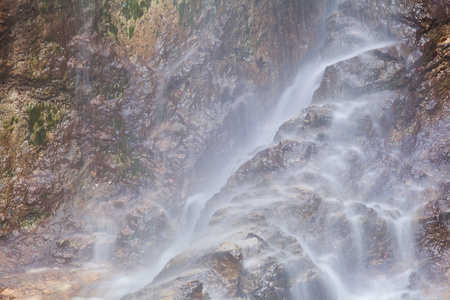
(102, 100)
(113, 111)
(370, 148)
(413, 118)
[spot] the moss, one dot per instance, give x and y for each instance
(146, 4)
(116, 88)
(9, 126)
(181, 8)
(34, 59)
(43, 56)
(58, 49)
(114, 30)
(32, 218)
(131, 31)
(137, 168)
(102, 16)
(132, 9)
(44, 195)
(42, 119)
(123, 151)
(10, 173)
(118, 124)
(187, 11)
(130, 165)
(43, 7)
(102, 21)
(134, 168)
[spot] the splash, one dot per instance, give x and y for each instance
(329, 218)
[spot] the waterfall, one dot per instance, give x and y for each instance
(348, 240)
(82, 81)
(103, 227)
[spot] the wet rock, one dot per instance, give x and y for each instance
(317, 118)
(273, 159)
(156, 95)
(314, 286)
(48, 283)
(192, 290)
(73, 250)
(271, 285)
(369, 171)
(313, 121)
(217, 271)
(146, 230)
(94, 110)
(377, 242)
(362, 74)
(227, 261)
(432, 235)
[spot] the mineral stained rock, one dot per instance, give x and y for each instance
(113, 111)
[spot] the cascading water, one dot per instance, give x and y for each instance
(386, 272)
(104, 228)
(82, 81)
(325, 224)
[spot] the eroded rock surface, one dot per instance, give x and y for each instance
(296, 205)
(112, 113)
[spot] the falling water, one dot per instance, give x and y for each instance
(82, 81)
(352, 277)
(340, 249)
(104, 227)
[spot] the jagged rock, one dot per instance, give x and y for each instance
(96, 108)
(432, 234)
(119, 118)
(192, 290)
(360, 75)
(312, 121)
(286, 154)
(216, 270)
(74, 249)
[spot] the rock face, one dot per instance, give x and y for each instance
(344, 176)
(110, 112)
(412, 121)
(113, 112)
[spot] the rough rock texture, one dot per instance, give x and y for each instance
(305, 194)
(113, 111)
(415, 119)
(48, 283)
(109, 111)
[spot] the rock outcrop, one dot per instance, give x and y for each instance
(110, 112)
(114, 111)
(298, 202)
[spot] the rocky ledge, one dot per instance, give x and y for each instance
(110, 115)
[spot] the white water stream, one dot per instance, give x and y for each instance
(343, 278)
